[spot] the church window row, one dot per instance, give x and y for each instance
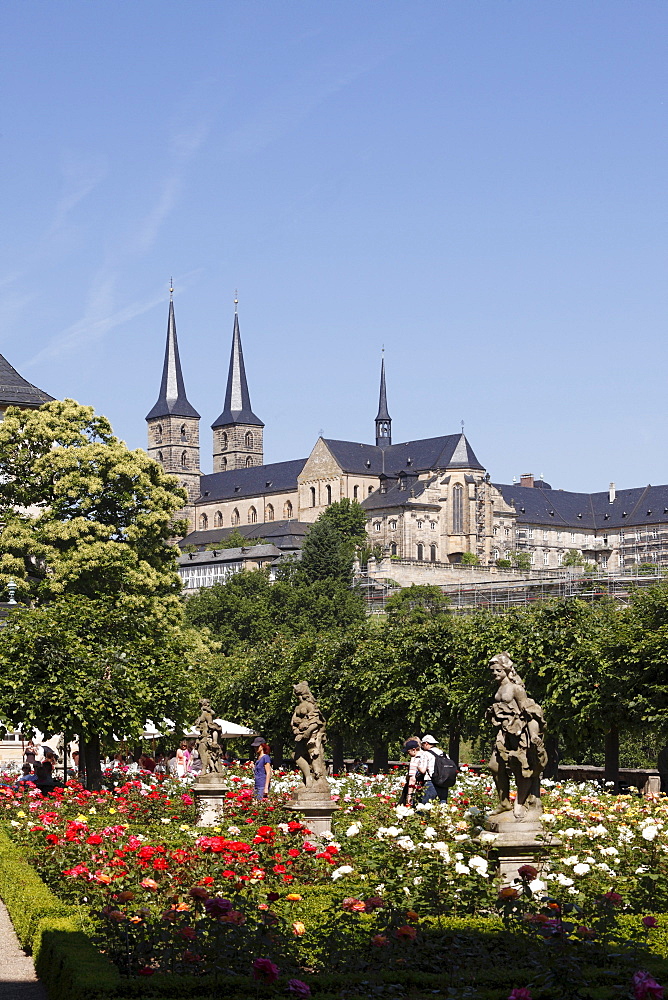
(219, 520)
(432, 553)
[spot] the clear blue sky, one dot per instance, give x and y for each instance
(479, 186)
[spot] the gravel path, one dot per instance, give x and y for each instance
(17, 972)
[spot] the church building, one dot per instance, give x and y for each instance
(429, 500)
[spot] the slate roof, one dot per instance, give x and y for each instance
(16, 391)
(283, 534)
(230, 555)
(400, 497)
(255, 481)
(591, 511)
(452, 451)
(172, 399)
(237, 408)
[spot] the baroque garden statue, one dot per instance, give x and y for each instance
(519, 748)
(209, 743)
(308, 726)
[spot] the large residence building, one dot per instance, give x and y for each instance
(429, 500)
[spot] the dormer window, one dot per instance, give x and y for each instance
(401, 483)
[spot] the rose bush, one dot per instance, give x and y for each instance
(160, 894)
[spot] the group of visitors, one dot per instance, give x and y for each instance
(431, 773)
(38, 768)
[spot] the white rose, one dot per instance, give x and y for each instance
(537, 885)
(429, 833)
(581, 869)
(461, 869)
(353, 830)
(487, 837)
(461, 836)
(340, 872)
(548, 818)
(403, 811)
(563, 880)
(477, 862)
(650, 832)
(406, 844)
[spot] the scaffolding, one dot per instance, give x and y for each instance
(498, 596)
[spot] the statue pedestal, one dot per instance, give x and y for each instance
(317, 812)
(209, 792)
(517, 843)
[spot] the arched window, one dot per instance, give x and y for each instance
(235, 516)
(218, 519)
(420, 552)
(313, 496)
(184, 459)
(270, 512)
(160, 458)
(495, 554)
(328, 491)
(432, 553)
(393, 525)
(158, 434)
(287, 509)
(457, 510)
(203, 522)
(252, 516)
(223, 440)
(249, 462)
(393, 549)
(223, 464)
(355, 492)
(249, 439)
(184, 436)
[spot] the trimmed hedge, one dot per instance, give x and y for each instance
(72, 968)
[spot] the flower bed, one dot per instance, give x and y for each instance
(396, 892)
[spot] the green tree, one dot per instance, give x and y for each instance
(97, 668)
(573, 558)
(325, 554)
(80, 512)
(349, 519)
(248, 608)
(419, 602)
(470, 559)
(521, 560)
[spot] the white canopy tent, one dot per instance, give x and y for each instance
(230, 730)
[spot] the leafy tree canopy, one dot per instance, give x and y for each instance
(349, 519)
(418, 602)
(97, 667)
(326, 555)
(81, 513)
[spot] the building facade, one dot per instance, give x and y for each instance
(428, 500)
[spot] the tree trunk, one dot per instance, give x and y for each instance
(380, 758)
(92, 759)
(277, 754)
(612, 757)
(82, 760)
(453, 742)
(552, 748)
(337, 755)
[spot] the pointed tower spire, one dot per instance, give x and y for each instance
(383, 419)
(172, 400)
(173, 424)
(237, 432)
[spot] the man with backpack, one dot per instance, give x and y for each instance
(441, 771)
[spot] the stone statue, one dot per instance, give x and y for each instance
(209, 745)
(519, 749)
(308, 726)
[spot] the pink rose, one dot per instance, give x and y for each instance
(646, 988)
(265, 971)
(299, 988)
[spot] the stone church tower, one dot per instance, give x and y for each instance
(173, 424)
(237, 433)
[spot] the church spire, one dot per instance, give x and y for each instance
(237, 432)
(172, 400)
(237, 409)
(383, 419)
